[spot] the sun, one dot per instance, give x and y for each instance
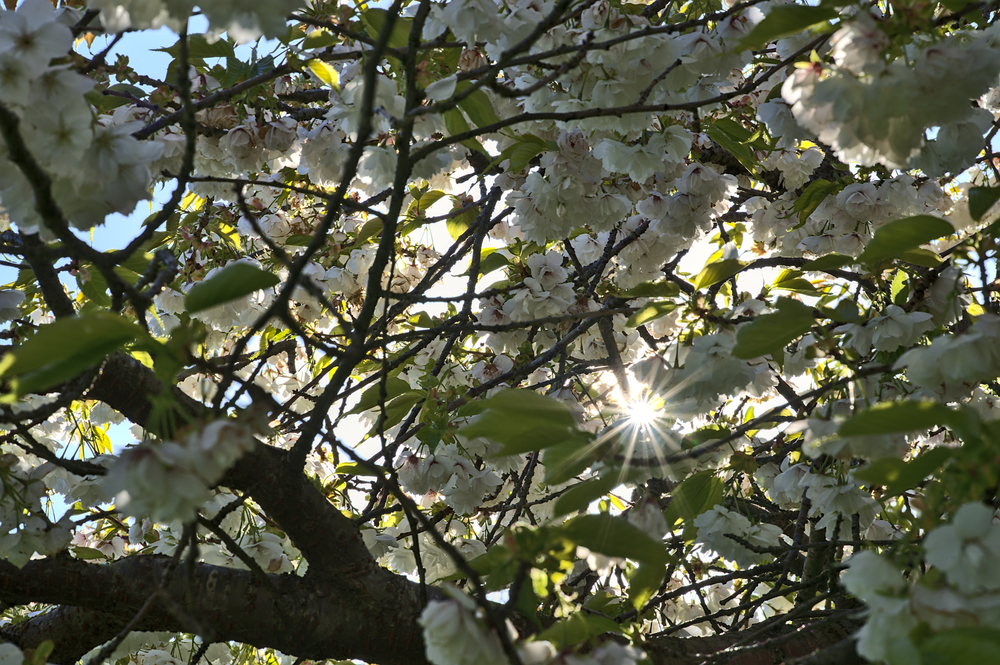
(644, 411)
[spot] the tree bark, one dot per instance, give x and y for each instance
(345, 607)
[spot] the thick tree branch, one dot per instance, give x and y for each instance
(314, 621)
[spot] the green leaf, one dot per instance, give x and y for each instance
(372, 228)
(61, 350)
(42, 652)
(523, 152)
(95, 287)
(200, 47)
(319, 39)
(921, 257)
(829, 262)
(613, 536)
(898, 284)
(582, 495)
(812, 196)
(697, 494)
(421, 320)
(734, 137)
(652, 290)
(325, 73)
(236, 70)
(898, 476)
(355, 469)
(234, 281)
(578, 628)
(374, 21)
(523, 421)
(717, 272)
(650, 312)
(786, 21)
(981, 199)
(529, 407)
(893, 417)
(394, 387)
(459, 224)
(455, 123)
(478, 107)
(88, 553)
(490, 260)
(527, 602)
(298, 240)
(895, 238)
(418, 206)
(643, 583)
(396, 410)
(566, 458)
(970, 644)
(771, 332)
(792, 280)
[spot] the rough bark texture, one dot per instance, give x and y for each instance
(346, 606)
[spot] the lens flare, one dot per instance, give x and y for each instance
(645, 411)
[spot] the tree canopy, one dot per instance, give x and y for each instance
(475, 332)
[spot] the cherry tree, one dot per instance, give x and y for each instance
(528, 332)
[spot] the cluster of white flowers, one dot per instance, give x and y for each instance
(843, 223)
(242, 21)
(169, 480)
(954, 364)
(892, 330)
(58, 127)
(965, 551)
(448, 473)
(455, 635)
(546, 292)
(707, 371)
(796, 166)
(874, 111)
(24, 527)
(830, 498)
(822, 439)
(716, 525)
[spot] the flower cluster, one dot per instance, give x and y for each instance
(874, 111)
(170, 480)
(968, 595)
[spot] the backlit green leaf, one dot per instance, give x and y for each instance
(697, 494)
(371, 396)
(717, 272)
(580, 496)
(325, 73)
(652, 290)
(771, 332)
(578, 628)
(650, 312)
(234, 281)
(981, 199)
(643, 583)
(478, 107)
(969, 644)
(829, 262)
(814, 194)
(901, 416)
(374, 21)
(61, 350)
(613, 536)
(898, 476)
(785, 21)
(895, 238)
